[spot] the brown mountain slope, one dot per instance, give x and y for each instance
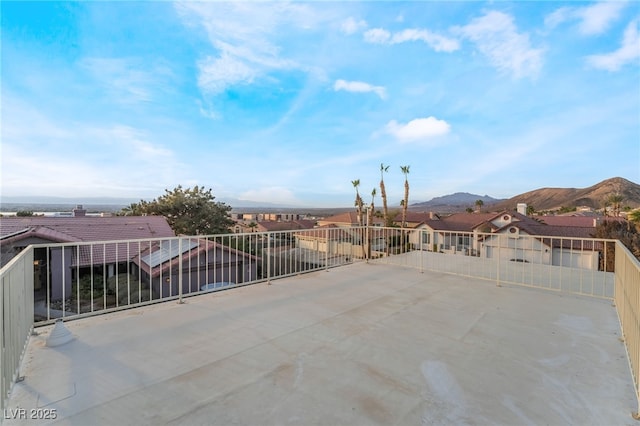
(593, 196)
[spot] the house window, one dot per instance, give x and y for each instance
(513, 230)
(463, 240)
(505, 217)
(426, 238)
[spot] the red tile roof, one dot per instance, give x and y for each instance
(87, 228)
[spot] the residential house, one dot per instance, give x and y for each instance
(16, 233)
(348, 219)
(494, 235)
(206, 262)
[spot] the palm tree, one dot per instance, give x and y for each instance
(358, 202)
(372, 208)
(479, 204)
(616, 200)
(383, 193)
(405, 202)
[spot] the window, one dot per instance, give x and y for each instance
(426, 238)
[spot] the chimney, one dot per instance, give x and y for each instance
(79, 211)
(522, 208)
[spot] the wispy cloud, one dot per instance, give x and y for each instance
(592, 20)
(244, 36)
(497, 37)
(127, 80)
(628, 52)
(351, 26)
(360, 87)
(437, 42)
(418, 129)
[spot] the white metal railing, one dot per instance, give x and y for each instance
(73, 280)
(574, 265)
(627, 301)
(16, 318)
(79, 279)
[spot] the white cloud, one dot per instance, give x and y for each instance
(377, 36)
(351, 26)
(418, 129)
(437, 42)
(360, 87)
(593, 19)
(216, 74)
(497, 37)
(245, 36)
(628, 52)
(597, 18)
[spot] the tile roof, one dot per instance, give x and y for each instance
(287, 225)
(199, 247)
(87, 228)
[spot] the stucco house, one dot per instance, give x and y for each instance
(203, 262)
(499, 234)
(66, 263)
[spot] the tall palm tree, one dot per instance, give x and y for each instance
(358, 202)
(372, 208)
(405, 202)
(616, 201)
(479, 204)
(383, 193)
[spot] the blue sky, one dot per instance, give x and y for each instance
(290, 102)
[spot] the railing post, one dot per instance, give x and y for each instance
(420, 235)
(498, 260)
(326, 255)
(180, 259)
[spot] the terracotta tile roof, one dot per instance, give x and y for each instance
(331, 231)
(286, 226)
(87, 228)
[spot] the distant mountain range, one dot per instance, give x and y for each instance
(541, 199)
(459, 201)
(593, 196)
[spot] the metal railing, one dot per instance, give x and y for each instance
(627, 302)
(573, 265)
(72, 280)
(16, 316)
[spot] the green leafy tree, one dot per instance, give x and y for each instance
(530, 210)
(617, 230)
(479, 204)
(190, 211)
(24, 213)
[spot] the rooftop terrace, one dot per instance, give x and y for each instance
(335, 326)
(360, 344)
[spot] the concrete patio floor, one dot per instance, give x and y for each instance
(359, 344)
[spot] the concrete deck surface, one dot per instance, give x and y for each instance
(360, 344)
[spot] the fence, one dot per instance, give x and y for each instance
(627, 301)
(16, 314)
(72, 280)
